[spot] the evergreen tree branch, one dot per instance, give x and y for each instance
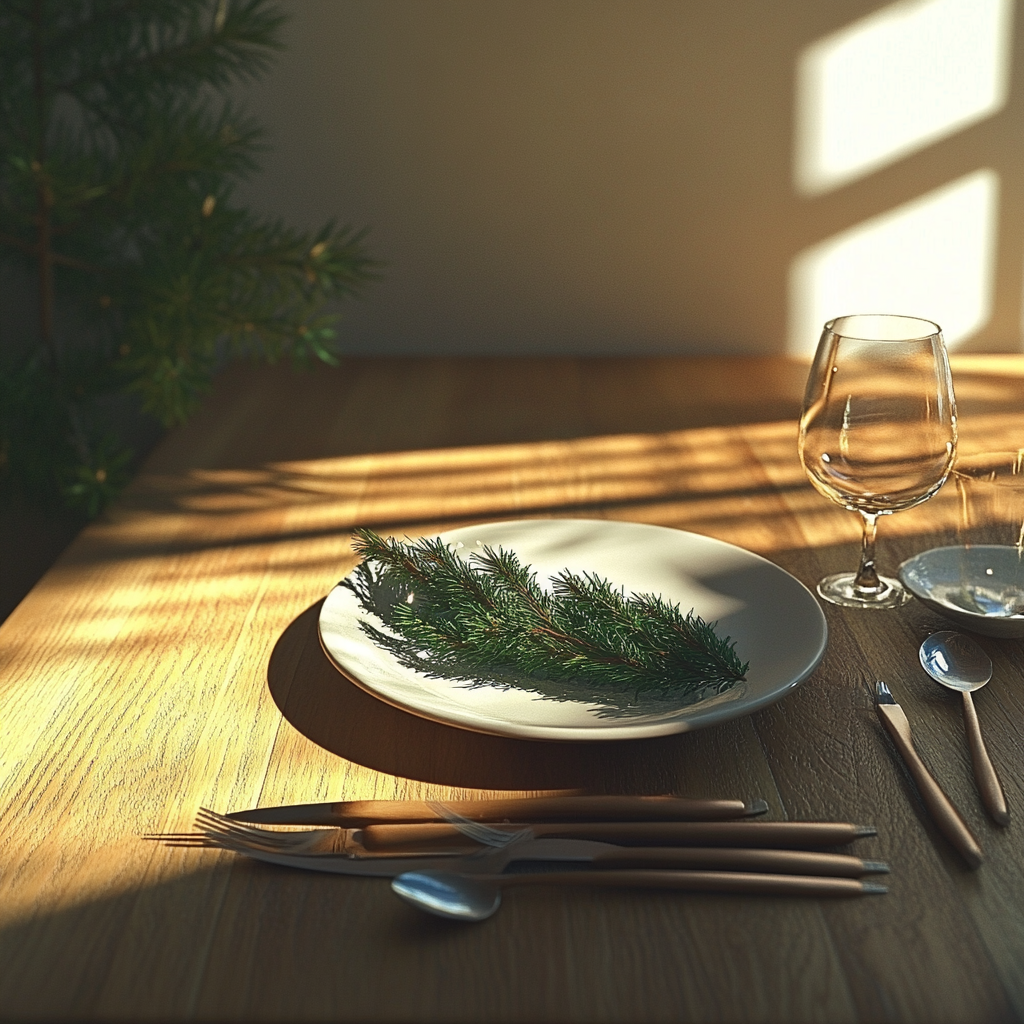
(177, 42)
(486, 618)
(120, 150)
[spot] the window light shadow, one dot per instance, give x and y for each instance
(222, 542)
(896, 81)
(933, 257)
(872, 94)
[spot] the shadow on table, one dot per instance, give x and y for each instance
(722, 760)
(339, 716)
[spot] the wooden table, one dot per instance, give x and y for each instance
(170, 661)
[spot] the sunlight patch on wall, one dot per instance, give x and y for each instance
(932, 258)
(896, 81)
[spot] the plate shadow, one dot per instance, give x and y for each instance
(339, 716)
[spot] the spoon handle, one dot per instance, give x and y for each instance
(984, 773)
(752, 883)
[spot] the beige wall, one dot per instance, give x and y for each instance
(584, 176)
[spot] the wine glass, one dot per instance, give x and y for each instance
(877, 432)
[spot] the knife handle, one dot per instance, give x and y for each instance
(782, 862)
(984, 772)
(783, 834)
(551, 808)
(754, 883)
(941, 808)
(359, 813)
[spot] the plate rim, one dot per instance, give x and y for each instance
(626, 732)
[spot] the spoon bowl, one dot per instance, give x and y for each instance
(958, 663)
(955, 661)
(446, 894)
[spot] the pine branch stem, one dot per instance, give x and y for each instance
(593, 652)
(58, 259)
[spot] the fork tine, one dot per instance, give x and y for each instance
(209, 817)
(217, 832)
(209, 821)
(222, 835)
(240, 844)
(212, 818)
(238, 836)
(269, 842)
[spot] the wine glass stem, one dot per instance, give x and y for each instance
(867, 580)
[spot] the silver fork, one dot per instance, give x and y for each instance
(334, 850)
(216, 830)
(225, 831)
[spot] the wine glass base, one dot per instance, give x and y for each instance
(841, 589)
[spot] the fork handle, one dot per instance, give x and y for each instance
(984, 773)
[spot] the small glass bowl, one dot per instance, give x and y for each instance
(980, 588)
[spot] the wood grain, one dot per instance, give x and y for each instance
(169, 661)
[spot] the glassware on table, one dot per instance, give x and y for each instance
(991, 533)
(877, 433)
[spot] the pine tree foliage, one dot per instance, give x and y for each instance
(120, 152)
(487, 618)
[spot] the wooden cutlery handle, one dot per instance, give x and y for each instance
(702, 881)
(359, 813)
(941, 808)
(784, 834)
(984, 772)
(554, 808)
(783, 862)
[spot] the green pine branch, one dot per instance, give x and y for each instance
(121, 151)
(486, 619)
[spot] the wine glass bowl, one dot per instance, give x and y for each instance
(877, 433)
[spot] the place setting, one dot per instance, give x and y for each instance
(575, 631)
(391, 626)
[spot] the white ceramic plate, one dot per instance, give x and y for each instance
(774, 619)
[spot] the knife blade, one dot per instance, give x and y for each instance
(357, 813)
(940, 807)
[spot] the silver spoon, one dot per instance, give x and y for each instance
(958, 663)
(477, 897)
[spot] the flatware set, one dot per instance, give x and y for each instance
(454, 859)
(770, 858)
(332, 846)
(940, 807)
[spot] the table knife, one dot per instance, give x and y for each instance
(940, 807)
(357, 813)
(775, 834)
